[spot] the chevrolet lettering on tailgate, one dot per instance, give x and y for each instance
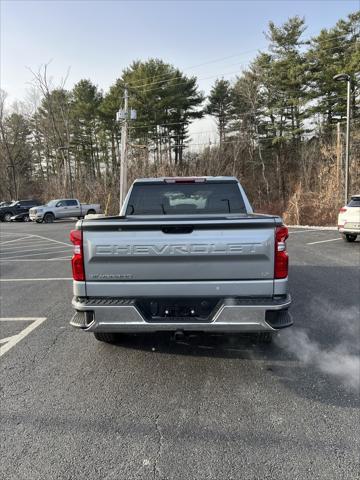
(181, 249)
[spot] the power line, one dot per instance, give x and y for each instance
(165, 75)
(135, 86)
(238, 116)
(168, 79)
(210, 143)
(165, 82)
(161, 137)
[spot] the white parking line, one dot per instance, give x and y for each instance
(14, 234)
(32, 254)
(15, 240)
(61, 259)
(301, 231)
(58, 258)
(22, 250)
(34, 279)
(52, 240)
(324, 241)
(33, 235)
(13, 340)
(23, 244)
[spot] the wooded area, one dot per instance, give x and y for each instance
(281, 127)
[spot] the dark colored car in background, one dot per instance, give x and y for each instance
(21, 217)
(15, 208)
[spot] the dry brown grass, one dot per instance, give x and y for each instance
(315, 190)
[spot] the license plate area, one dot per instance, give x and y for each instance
(178, 310)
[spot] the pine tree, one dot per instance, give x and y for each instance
(333, 51)
(165, 100)
(220, 106)
(84, 112)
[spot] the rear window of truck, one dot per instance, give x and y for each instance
(182, 199)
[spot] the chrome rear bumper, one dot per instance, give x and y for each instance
(232, 315)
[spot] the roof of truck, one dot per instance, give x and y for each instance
(206, 178)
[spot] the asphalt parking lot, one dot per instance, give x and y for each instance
(204, 408)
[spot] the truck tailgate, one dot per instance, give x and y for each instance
(120, 257)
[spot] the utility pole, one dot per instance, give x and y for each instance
(338, 151)
(347, 151)
(343, 77)
(123, 160)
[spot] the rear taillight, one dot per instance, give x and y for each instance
(77, 261)
(281, 256)
(343, 209)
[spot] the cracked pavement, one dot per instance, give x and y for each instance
(208, 407)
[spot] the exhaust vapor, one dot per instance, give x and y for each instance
(341, 359)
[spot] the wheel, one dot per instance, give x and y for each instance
(350, 237)
(7, 217)
(106, 337)
(265, 338)
(49, 218)
(26, 218)
(90, 212)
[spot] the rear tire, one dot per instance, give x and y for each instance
(26, 218)
(349, 237)
(49, 218)
(90, 212)
(7, 217)
(106, 337)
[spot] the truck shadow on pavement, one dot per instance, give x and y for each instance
(274, 363)
(318, 357)
(201, 344)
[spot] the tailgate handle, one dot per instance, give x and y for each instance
(177, 229)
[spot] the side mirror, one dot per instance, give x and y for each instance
(18, 205)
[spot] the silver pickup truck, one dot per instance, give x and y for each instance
(185, 254)
(62, 208)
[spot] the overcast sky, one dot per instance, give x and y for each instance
(97, 39)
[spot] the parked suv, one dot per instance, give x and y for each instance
(15, 208)
(349, 219)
